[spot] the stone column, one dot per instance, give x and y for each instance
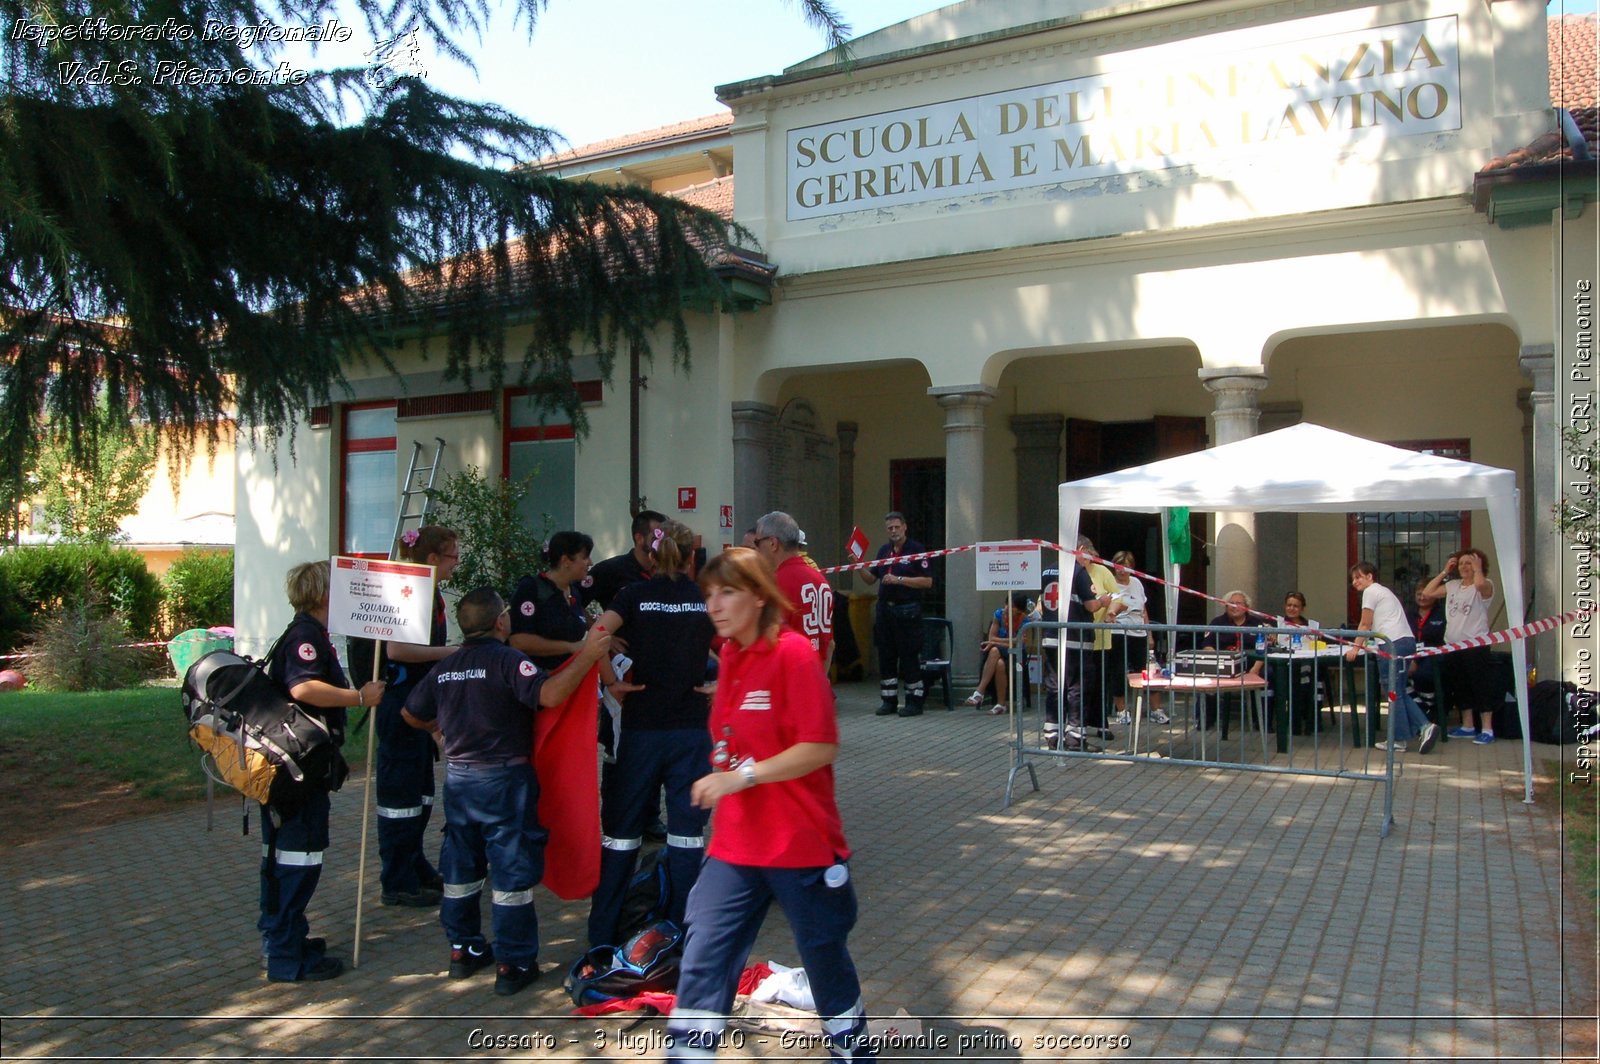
(1237, 414)
(1038, 454)
(1541, 550)
(963, 510)
(752, 462)
(1278, 565)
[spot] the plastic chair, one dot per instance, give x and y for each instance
(938, 637)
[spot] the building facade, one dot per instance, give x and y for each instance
(1019, 242)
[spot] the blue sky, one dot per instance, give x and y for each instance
(600, 68)
(595, 69)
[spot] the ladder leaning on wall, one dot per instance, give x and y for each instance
(411, 492)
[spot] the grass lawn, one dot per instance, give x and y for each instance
(1580, 820)
(78, 759)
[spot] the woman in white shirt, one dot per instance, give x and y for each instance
(1468, 674)
(1382, 614)
(1131, 645)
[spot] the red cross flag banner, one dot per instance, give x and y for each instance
(857, 545)
(377, 599)
(1009, 565)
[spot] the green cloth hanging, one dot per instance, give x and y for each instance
(1178, 534)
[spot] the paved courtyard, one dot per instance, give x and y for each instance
(1122, 911)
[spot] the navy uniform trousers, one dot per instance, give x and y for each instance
(404, 780)
(646, 761)
(492, 832)
(726, 909)
(898, 631)
(291, 866)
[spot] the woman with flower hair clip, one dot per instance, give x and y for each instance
(663, 740)
(404, 776)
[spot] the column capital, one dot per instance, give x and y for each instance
(750, 410)
(1233, 378)
(1038, 430)
(1538, 362)
(949, 395)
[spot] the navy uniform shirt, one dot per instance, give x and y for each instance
(305, 653)
(404, 675)
(606, 578)
(484, 697)
(1081, 590)
(1239, 638)
(669, 636)
(539, 608)
(893, 594)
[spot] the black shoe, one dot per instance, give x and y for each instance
(509, 978)
(421, 898)
(326, 968)
(886, 709)
(313, 945)
(464, 960)
(912, 710)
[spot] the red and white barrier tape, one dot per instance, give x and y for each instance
(895, 559)
(132, 646)
(1507, 635)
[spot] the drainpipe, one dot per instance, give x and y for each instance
(636, 386)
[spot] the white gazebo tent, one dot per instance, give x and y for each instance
(1311, 469)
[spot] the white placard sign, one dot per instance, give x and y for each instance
(376, 599)
(1009, 565)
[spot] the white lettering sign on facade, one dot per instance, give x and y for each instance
(1336, 90)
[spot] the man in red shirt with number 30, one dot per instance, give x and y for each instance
(810, 597)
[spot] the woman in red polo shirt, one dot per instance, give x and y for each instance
(777, 833)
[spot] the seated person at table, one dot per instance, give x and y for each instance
(1232, 629)
(1302, 693)
(1294, 616)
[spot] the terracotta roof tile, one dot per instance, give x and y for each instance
(645, 138)
(714, 195)
(1574, 66)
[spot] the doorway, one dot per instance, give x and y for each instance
(916, 489)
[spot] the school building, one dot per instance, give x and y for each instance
(1016, 242)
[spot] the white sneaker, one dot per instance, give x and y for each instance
(1398, 748)
(1123, 718)
(1430, 735)
(1158, 717)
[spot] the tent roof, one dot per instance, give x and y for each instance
(1303, 468)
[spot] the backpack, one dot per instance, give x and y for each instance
(648, 895)
(1558, 711)
(649, 961)
(254, 737)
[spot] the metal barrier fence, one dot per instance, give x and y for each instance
(1302, 708)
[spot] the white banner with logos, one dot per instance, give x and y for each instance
(1008, 565)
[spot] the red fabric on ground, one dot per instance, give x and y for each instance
(749, 979)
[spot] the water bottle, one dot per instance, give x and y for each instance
(1294, 643)
(1261, 643)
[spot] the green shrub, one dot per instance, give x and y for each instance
(46, 580)
(14, 618)
(199, 590)
(84, 647)
(497, 547)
